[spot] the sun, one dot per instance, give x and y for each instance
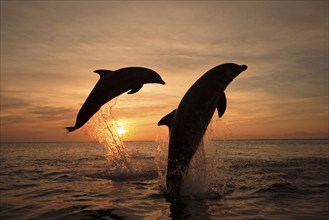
(121, 131)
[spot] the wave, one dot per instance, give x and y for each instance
(81, 212)
(125, 176)
(282, 188)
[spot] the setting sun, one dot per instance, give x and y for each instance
(121, 131)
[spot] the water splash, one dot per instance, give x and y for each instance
(104, 128)
(196, 179)
(217, 164)
(161, 158)
(208, 173)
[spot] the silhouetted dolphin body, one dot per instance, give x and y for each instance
(112, 84)
(188, 123)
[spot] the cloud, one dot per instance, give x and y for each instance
(51, 113)
(260, 108)
(48, 54)
(41, 114)
(13, 102)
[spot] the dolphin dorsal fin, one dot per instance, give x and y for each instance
(103, 73)
(168, 119)
(221, 105)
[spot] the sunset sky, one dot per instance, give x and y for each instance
(49, 50)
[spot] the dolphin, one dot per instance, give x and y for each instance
(112, 84)
(188, 123)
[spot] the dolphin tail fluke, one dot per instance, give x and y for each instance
(70, 129)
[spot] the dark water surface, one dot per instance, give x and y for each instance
(264, 179)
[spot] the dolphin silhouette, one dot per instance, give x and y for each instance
(188, 123)
(112, 84)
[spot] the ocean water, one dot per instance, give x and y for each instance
(259, 179)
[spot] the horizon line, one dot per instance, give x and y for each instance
(238, 139)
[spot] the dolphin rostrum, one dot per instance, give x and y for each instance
(188, 123)
(112, 84)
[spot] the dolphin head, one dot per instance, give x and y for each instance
(143, 74)
(225, 73)
(156, 78)
(150, 76)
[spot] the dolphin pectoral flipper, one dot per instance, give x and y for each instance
(168, 119)
(136, 88)
(221, 105)
(70, 129)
